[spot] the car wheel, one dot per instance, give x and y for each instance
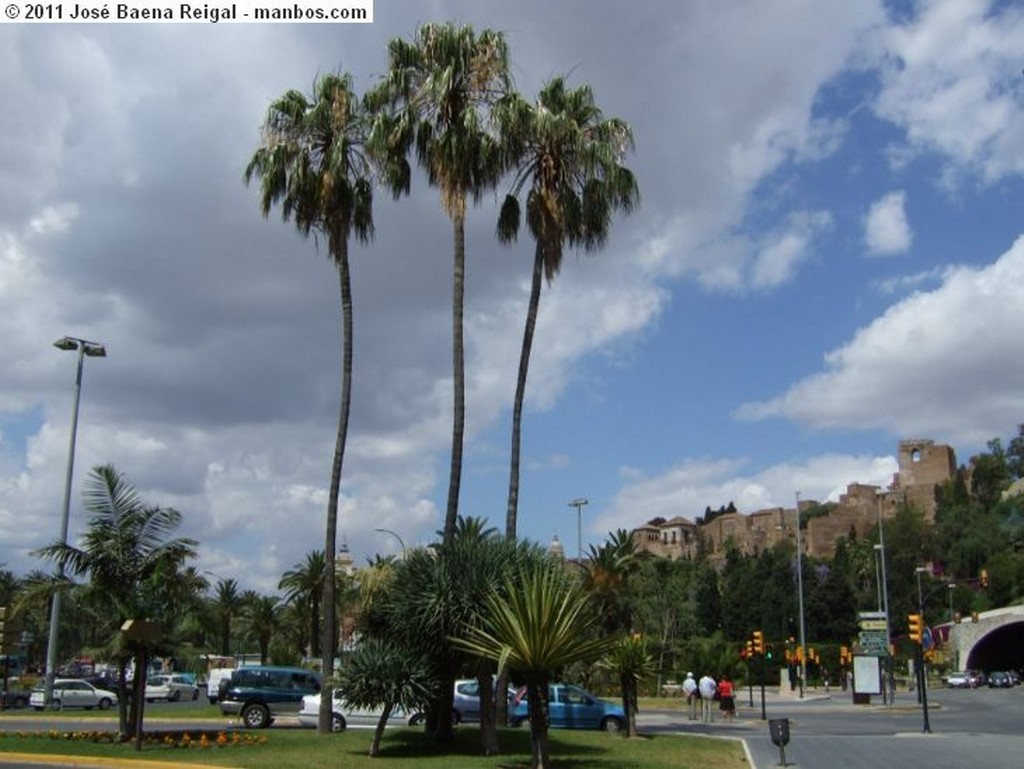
(38, 707)
(256, 716)
(176, 696)
(150, 700)
(338, 722)
(195, 695)
(54, 704)
(515, 723)
(104, 704)
(611, 724)
(416, 719)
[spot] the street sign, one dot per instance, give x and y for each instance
(874, 643)
(872, 624)
(926, 638)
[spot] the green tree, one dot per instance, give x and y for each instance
(386, 675)
(126, 557)
(313, 162)
(631, 661)
(443, 85)
(303, 585)
(567, 157)
(226, 604)
(260, 613)
(538, 624)
(606, 573)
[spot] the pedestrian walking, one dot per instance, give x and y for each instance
(692, 695)
(726, 698)
(707, 688)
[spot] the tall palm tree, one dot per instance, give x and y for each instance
(303, 585)
(605, 577)
(261, 619)
(440, 88)
(568, 158)
(313, 163)
(536, 625)
(125, 554)
(227, 603)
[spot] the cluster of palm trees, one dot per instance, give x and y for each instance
(447, 101)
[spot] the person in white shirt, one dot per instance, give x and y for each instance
(692, 696)
(707, 688)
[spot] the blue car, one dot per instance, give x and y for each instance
(571, 707)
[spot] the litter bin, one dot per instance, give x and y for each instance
(778, 728)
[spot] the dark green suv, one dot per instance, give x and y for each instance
(257, 694)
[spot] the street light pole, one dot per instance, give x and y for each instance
(800, 597)
(400, 542)
(578, 503)
(93, 350)
(885, 608)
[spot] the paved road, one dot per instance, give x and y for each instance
(968, 728)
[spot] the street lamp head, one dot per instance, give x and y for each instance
(578, 502)
(94, 350)
(921, 570)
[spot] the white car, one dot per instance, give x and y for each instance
(344, 716)
(72, 693)
(171, 687)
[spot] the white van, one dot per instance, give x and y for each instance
(213, 680)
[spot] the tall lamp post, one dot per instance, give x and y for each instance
(93, 350)
(800, 597)
(400, 542)
(885, 608)
(578, 503)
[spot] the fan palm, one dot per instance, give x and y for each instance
(312, 162)
(568, 158)
(440, 87)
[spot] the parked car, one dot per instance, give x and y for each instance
(344, 715)
(958, 680)
(14, 699)
(571, 707)
(72, 693)
(977, 678)
(258, 694)
(466, 700)
(213, 682)
(171, 687)
(1014, 677)
(999, 679)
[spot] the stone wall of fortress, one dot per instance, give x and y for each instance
(922, 465)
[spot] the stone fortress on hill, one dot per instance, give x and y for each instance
(922, 465)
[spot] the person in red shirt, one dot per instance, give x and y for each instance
(726, 698)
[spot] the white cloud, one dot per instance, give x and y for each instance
(951, 80)
(886, 229)
(938, 363)
(782, 251)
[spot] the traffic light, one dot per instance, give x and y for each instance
(916, 627)
(750, 649)
(844, 652)
(758, 642)
(768, 653)
(984, 577)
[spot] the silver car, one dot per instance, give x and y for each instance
(72, 693)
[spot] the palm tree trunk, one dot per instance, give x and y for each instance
(512, 511)
(539, 722)
(458, 372)
(329, 630)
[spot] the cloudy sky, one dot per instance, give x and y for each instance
(828, 258)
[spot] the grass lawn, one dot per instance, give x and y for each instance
(304, 749)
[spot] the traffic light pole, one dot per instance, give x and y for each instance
(922, 682)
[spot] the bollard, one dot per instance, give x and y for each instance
(778, 728)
